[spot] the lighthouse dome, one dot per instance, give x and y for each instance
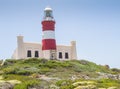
(48, 9)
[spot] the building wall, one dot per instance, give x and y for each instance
(62, 53)
(63, 49)
(73, 50)
(20, 49)
(15, 54)
(33, 47)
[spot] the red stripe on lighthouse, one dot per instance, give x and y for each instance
(48, 44)
(48, 25)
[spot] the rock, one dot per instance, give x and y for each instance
(112, 88)
(53, 87)
(86, 87)
(108, 76)
(1, 77)
(107, 66)
(14, 82)
(89, 84)
(46, 78)
(1, 72)
(85, 77)
(6, 85)
(74, 77)
(39, 87)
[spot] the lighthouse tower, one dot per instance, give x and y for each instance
(48, 37)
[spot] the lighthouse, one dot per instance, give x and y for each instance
(48, 48)
(48, 37)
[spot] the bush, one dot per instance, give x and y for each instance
(55, 64)
(65, 84)
(108, 83)
(27, 70)
(44, 70)
(24, 72)
(26, 81)
(115, 70)
(20, 86)
(10, 70)
(49, 64)
(26, 84)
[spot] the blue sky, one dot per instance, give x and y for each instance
(94, 24)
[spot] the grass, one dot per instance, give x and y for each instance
(21, 70)
(25, 81)
(36, 64)
(91, 84)
(108, 82)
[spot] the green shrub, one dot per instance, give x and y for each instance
(49, 64)
(54, 64)
(11, 61)
(65, 84)
(44, 70)
(26, 81)
(107, 83)
(115, 70)
(20, 86)
(24, 72)
(31, 60)
(26, 84)
(10, 70)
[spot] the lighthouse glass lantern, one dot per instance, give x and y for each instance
(48, 14)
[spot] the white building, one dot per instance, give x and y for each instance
(48, 49)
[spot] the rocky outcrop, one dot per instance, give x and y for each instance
(108, 76)
(6, 85)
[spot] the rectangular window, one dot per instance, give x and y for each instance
(36, 54)
(60, 55)
(66, 55)
(29, 53)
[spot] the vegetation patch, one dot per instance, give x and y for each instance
(23, 82)
(72, 74)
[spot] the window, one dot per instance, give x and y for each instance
(29, 53)
(36, 54)
(60, 54)
(66, 56)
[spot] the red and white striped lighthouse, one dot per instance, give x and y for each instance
(48, 38)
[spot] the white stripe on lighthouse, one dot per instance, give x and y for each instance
(48, 35)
